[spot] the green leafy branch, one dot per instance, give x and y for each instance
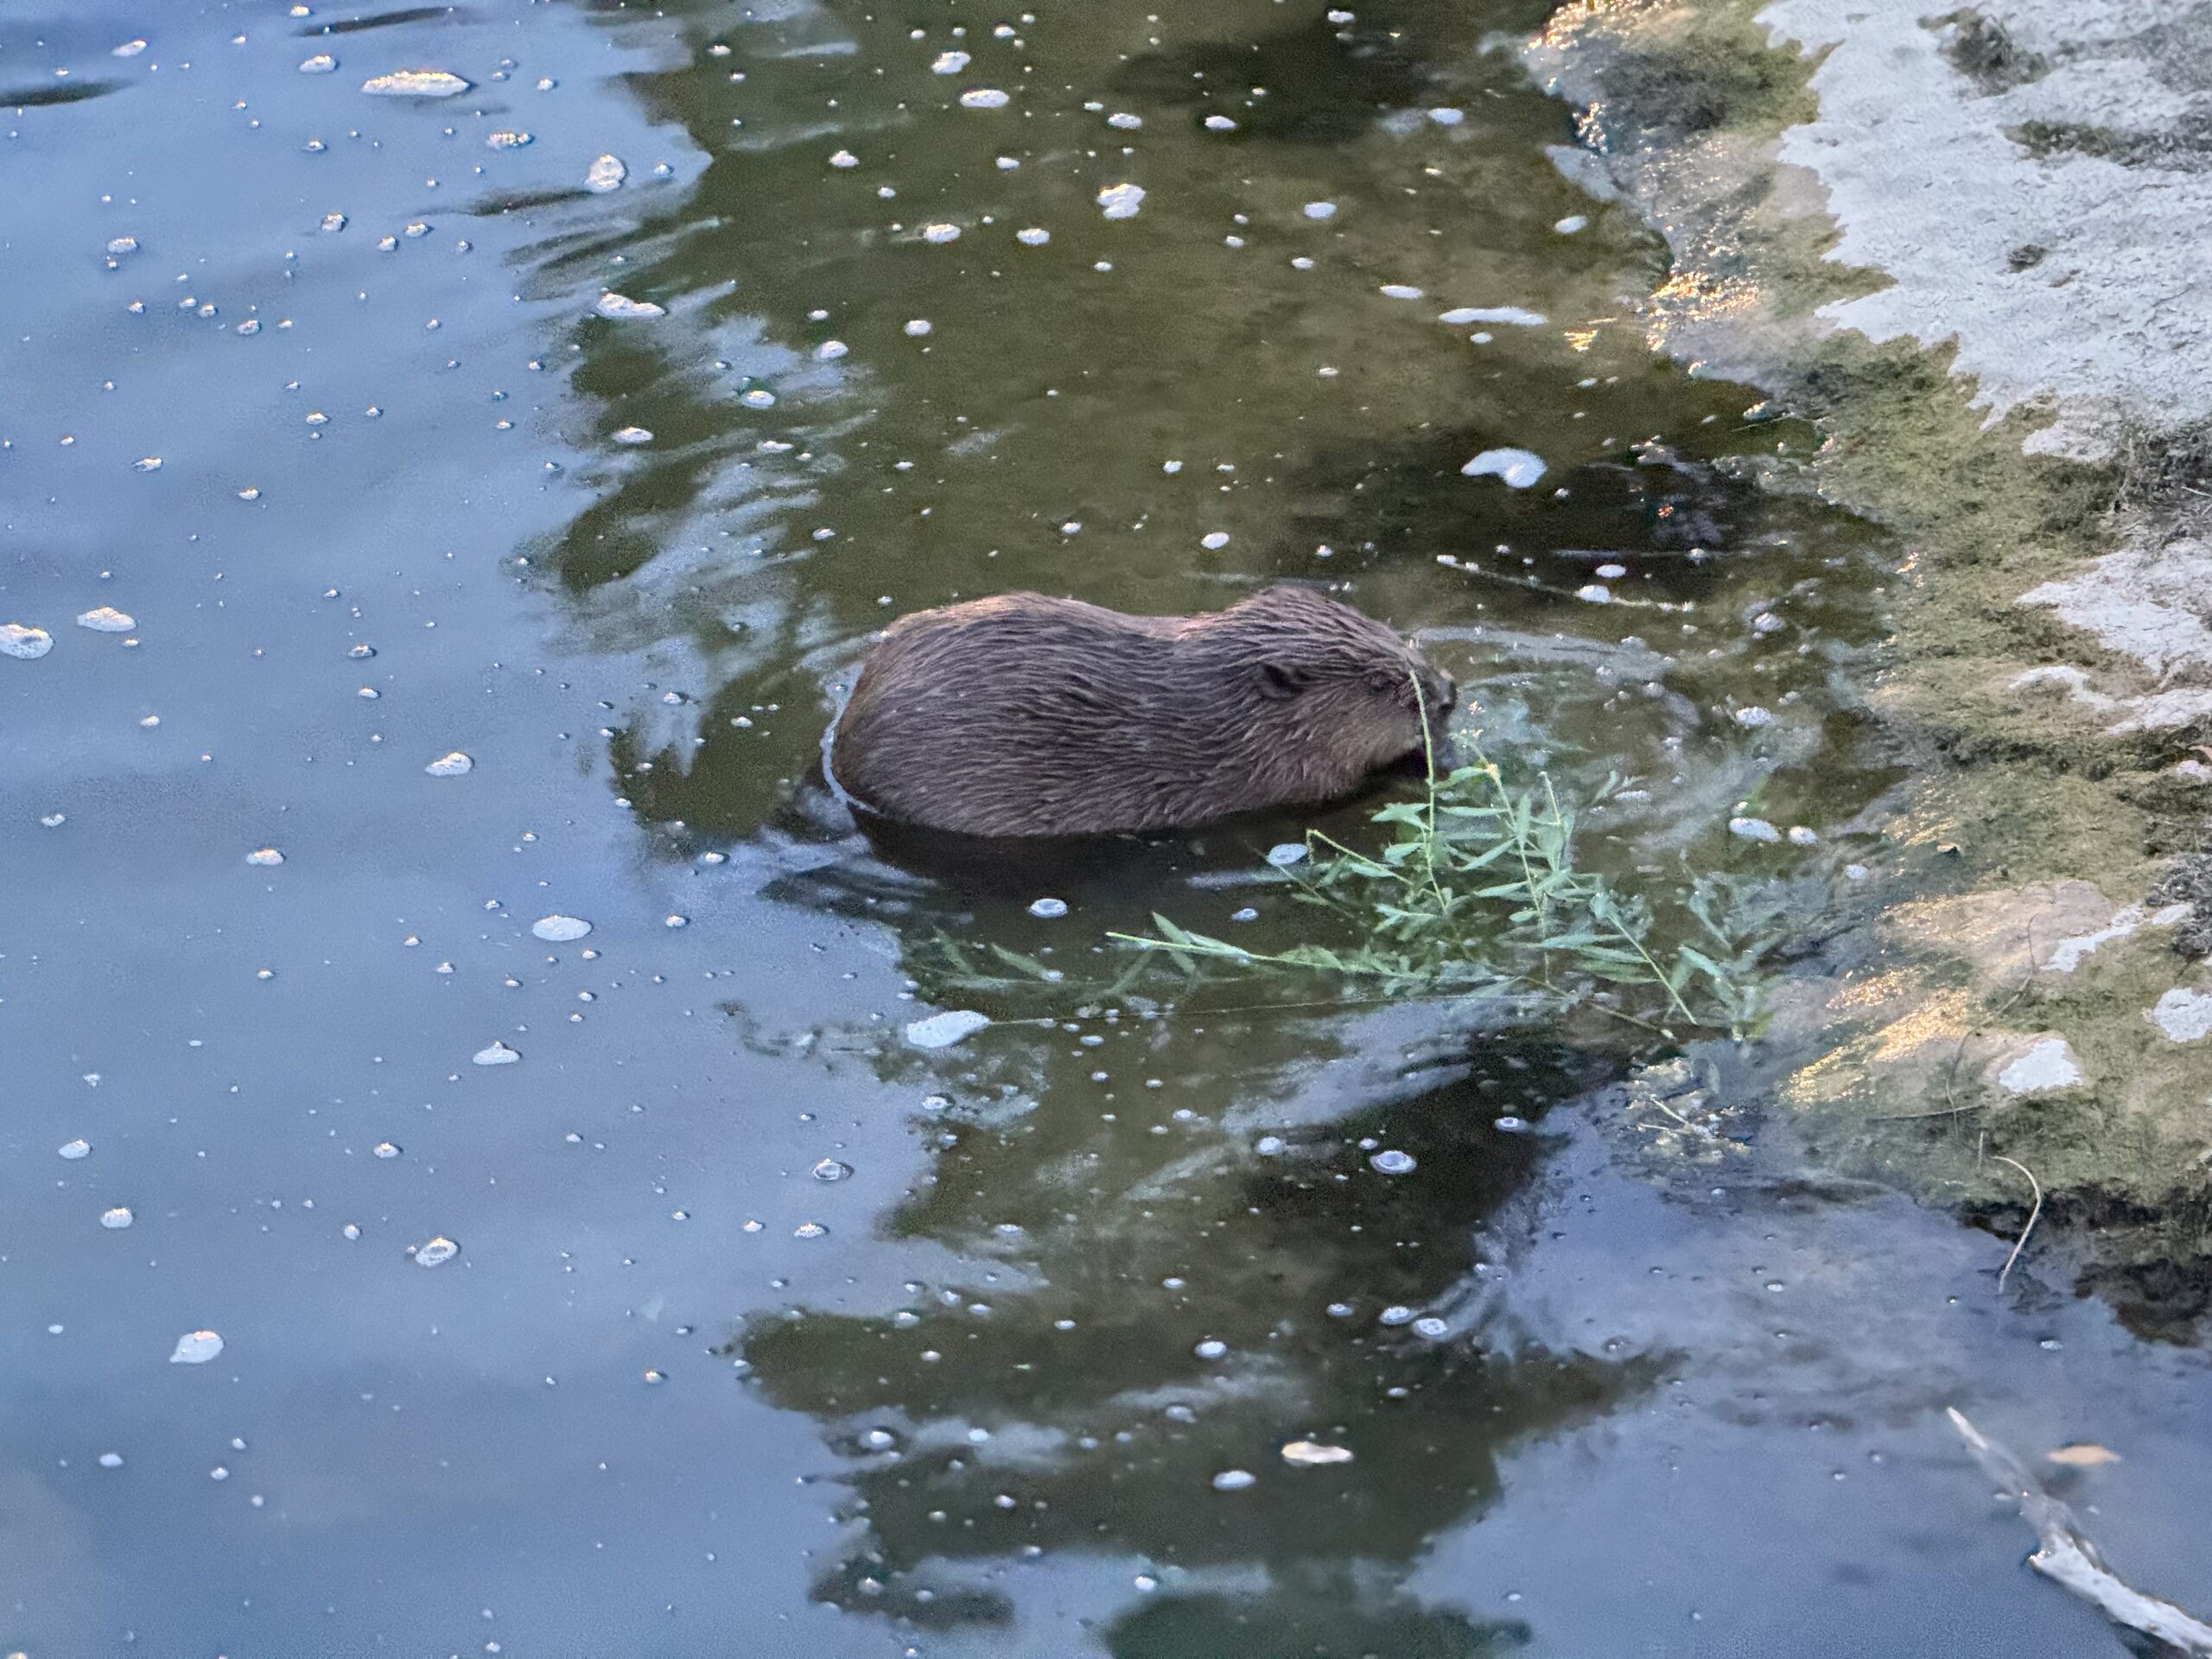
(1477, 893)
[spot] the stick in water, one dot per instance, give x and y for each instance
(2070, 1560)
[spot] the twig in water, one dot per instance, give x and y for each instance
(2070, 1560)
(2035, 1210)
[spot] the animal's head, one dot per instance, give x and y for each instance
(1330, 678)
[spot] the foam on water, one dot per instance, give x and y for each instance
(196, 1348)
(1519, 468)
(942, 1030)
(415, 83)
(1122, 201)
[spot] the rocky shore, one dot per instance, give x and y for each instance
(1970, 247)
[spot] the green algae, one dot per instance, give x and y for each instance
(2019, 783)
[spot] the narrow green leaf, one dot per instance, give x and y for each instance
(1029, 965)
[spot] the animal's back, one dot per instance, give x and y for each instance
(1024, 715)
(1004, 714)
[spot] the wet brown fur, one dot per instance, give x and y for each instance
(1027, 715)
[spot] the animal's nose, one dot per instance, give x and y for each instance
(1443, 692)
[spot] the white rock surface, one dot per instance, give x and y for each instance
(2185, 1015)
(2112, 317)
(2044, 1067)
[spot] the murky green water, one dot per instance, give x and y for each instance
(994, 1391)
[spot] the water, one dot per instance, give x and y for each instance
(1606, 1388)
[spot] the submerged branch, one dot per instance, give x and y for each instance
(1478, 892)
(2070, 1560)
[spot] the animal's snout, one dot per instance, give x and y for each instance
(1442, 692)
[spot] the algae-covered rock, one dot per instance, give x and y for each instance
(1936, 239)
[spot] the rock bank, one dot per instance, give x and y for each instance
(1970, 248)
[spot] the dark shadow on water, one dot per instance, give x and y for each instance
(1028, 866)
(1324, 81)
(1323, 84)
(1079, 1403)
(1687, 550)
(388, 20)
(1317, 1617)
(72, 91)
(1649, 504)
(523, 201)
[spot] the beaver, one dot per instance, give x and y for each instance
(1028, 715)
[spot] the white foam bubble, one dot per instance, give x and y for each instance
(1519, 468)
(1518, 317)
(622, 309)
(19, 640)
(416, 83)
(1122, 201)
(942, 1030)
(196, 1348)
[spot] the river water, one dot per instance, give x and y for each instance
(754, 1325)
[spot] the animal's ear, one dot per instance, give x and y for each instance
(1282, 681)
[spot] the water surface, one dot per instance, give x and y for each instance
(993, 1388)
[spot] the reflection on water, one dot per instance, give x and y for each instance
(907, 361)
(1169, 1310)
(853, 416)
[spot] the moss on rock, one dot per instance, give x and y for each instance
(2057, 766)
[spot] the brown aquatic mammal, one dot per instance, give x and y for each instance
(1027, 715)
